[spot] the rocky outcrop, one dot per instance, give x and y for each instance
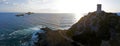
(51, 38)
(94, 28)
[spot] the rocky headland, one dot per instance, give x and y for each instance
(94, 29)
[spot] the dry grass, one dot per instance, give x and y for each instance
(55, 39)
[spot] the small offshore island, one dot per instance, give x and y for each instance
(97, 28)
(28, 13)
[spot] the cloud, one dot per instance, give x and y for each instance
(39, 4)
(27, 5)
(39, 1)
(1, 1)
(4, 2)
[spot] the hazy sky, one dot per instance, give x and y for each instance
(76, 6)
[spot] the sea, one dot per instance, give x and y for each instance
(18, 30)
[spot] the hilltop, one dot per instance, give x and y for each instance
(95, 29)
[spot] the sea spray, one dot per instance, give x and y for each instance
(35, 35)
(29, 36)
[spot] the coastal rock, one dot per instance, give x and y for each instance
(94, 28)
(51, 38)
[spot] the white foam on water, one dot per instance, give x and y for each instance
(34, 37)
(27, 32)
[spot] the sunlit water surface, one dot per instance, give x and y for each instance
(17, 30)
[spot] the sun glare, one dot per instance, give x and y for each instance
(76, 6)
(70, 6)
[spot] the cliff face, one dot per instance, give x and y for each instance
(93, 28)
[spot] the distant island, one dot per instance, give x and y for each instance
(22, 14)
(29, 13)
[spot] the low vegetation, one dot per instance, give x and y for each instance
(90, 30)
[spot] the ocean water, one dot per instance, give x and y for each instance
(17, 30)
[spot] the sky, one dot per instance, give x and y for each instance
(72, 6)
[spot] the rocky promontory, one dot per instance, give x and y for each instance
(97, 29)
(94, 29)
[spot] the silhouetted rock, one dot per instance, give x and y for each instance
(29, 13)
(93, 28)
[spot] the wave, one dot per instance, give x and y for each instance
(24, 37)
(26, 31)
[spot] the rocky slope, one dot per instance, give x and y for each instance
(51, 38)
(94, 29)
(97, 29)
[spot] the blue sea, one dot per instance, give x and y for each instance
(17, 30)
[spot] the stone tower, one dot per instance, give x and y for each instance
(99, 8)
